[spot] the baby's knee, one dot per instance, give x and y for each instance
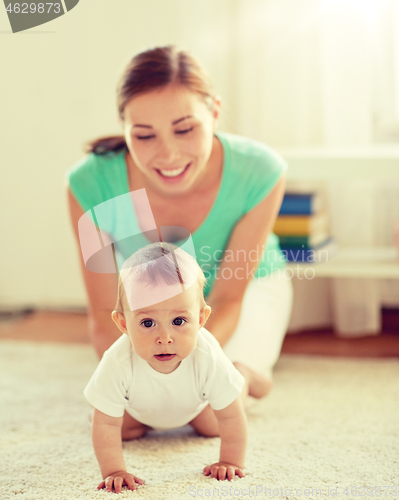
(206, 423)
(211, 433)
(134, 432)
(132, 428)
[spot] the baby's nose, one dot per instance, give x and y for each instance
(164, 338)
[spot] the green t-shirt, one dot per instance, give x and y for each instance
(250, 171)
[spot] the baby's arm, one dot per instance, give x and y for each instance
(233, 434)
(107, 443)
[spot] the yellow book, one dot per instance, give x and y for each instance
(298, 225)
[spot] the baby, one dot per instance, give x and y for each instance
(167, 370)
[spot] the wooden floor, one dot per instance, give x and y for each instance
(72, 327)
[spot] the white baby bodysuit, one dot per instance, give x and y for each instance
(124, 381)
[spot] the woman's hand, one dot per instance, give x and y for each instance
(223, 470)
(120, 478)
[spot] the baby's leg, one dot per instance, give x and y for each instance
(132, 429)
(206, 423)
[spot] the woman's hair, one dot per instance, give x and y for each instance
(153, 69)
(160, 262)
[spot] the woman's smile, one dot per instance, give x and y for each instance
(173, 174)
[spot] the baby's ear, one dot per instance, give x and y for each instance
(119, 320)
(204, 315)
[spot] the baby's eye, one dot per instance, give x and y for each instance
(179, 321)
(147, 323)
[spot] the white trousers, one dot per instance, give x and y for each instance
(263, 323)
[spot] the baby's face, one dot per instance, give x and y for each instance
(165, 333)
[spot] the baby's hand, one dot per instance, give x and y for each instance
(118, 479)
(223, 470)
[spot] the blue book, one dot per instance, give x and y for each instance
(301, 204)
(319, 253)
(306, 242)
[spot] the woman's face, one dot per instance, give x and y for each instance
(169, 134)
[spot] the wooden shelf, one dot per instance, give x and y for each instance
(353, 262)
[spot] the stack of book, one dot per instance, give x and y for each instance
(303, 227)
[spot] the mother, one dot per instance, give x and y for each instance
(225, 189)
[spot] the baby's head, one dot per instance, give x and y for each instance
(155, 273)
(161, 304)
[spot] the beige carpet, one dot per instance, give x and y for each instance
(329, 423)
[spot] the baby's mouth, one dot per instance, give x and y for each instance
(164, 357)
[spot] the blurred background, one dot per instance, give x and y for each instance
(316, 79)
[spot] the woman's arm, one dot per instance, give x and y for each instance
(101, 290)
(249, 234)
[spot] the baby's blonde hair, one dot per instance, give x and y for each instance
(147, 266)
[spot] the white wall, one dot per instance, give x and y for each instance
(279, 72)
(57, 90)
